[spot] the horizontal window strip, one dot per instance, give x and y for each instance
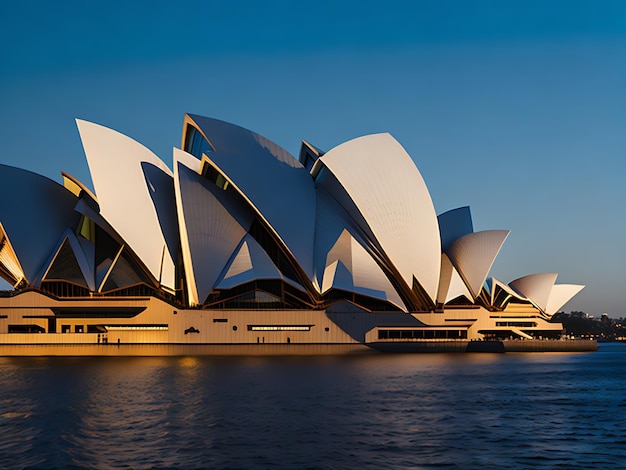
(279, 327)
(136, 327)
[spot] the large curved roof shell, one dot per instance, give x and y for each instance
(473, 255)
(183, 159)
(34, 212)
(388, 190)
(212, 226)
(560, 295)
(454, 224)
(536, 287)
(276, 185)
(135, 192)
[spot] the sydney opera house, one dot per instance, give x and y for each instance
(241, 243)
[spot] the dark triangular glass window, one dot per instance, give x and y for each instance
(65, 267)
(106, 251)
(125, 273)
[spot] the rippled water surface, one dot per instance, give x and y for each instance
(367, 411)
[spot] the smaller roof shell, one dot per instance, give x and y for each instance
(536, 287)
(560, 295)
(473, 255)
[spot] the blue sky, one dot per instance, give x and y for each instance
(516, 108)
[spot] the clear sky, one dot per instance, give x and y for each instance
(516, 108)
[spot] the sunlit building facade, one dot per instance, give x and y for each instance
(242, 243)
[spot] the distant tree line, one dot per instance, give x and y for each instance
(582, 324)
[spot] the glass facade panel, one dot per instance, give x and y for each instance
(522, 324)
(422, 334)
(87, 229)
(65, 267)
(195, 143)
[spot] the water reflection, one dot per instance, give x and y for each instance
(411, 411)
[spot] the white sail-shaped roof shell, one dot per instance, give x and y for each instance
(390, 193)
(536, 287)
(473, 255)
(35, 212)
(130, 183)
(210, 232)
(275, 184)
(560, 295)
(184, 160)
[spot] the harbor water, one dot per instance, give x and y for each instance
(482, 410)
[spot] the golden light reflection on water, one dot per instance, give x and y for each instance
(188, 362)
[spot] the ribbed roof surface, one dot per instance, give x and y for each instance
(536, 287)
(560, 295)
(35, 212)
(135, 191)
(473, 255)
(275, 183)
(390, 193)
(212, 231)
